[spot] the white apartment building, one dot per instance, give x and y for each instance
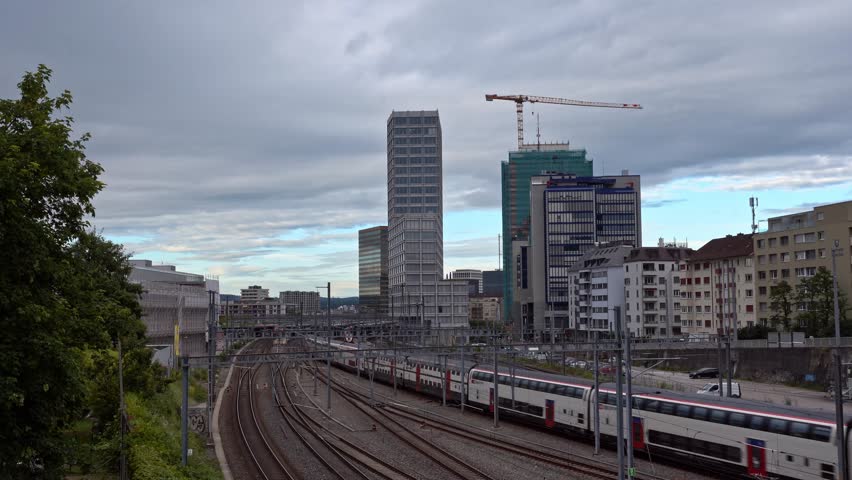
(717, 288)
(253, 293)
(651, 276)
(596, 284)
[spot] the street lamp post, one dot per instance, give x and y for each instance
(838, 372)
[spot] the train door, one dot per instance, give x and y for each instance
(756, 452)
(449, 383)
(491, 399)
(417, 379)
(638, 433)
(549, 405)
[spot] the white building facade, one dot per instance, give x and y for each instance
(651, 277)
(596, 285)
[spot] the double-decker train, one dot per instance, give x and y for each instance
(728, 435)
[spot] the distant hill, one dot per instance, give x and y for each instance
(338, 301)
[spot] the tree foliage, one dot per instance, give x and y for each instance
(816, 295)
(781, 304)
(64, 294)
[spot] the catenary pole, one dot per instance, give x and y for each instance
(184, 411)
(597, 398)
(619, 400)
(496, 396)
(629, 377)
(838, 372)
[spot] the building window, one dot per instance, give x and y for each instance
(773, 242)
(761, 275)
(820, 235)
(820, 216)
(785, 257)
(748, 277)
(761, 259)
(785, 241)
(761, 290)
(749, 293)
(761, 243)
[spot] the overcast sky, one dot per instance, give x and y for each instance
(247, 139)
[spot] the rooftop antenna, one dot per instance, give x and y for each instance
(752, 202)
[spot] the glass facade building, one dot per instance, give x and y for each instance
(373, 271)
(516, 174)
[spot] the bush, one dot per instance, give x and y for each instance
(154, 440)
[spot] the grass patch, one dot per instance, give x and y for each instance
(154, 440)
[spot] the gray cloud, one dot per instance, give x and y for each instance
(661, 203)
(225, 129)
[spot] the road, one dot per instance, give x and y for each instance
(762, 392)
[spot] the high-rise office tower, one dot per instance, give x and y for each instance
(569, 216)
(415, 224)
(516, 174)
(373, 271)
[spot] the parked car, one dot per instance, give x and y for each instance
(707, 372)
(713, 389)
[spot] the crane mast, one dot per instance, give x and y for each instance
(520, 99)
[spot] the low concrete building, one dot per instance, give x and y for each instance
(175, 305)
(473, 277)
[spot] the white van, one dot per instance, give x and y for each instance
(713, 389)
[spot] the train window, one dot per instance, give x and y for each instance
(777, 425)
(538, 386)
(561, 390)
(503, 380)
(575, 392)
(552, 387)
(682, 410)
(699, 413)
(737, 419)
(652, 405)
(639, 403)
(799, 429)
(667, 408)
(718, 416)
(758, 423)
(820, 433)
(524, 383)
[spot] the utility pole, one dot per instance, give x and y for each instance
(619, 402)
(122, 465)
(838, 372)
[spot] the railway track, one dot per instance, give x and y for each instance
(585, 466)
(347, 451)
(439, 455)
(264, 457)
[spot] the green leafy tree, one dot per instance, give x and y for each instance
(46, 188)
(781, 300)
(816, 293)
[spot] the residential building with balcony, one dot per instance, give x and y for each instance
(795, 246)
(717, 287)
(596, 284)
(649, 286)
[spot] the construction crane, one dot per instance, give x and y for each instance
(520, 99)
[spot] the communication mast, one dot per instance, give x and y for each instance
(752, 202)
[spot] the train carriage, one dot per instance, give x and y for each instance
(723, 434)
